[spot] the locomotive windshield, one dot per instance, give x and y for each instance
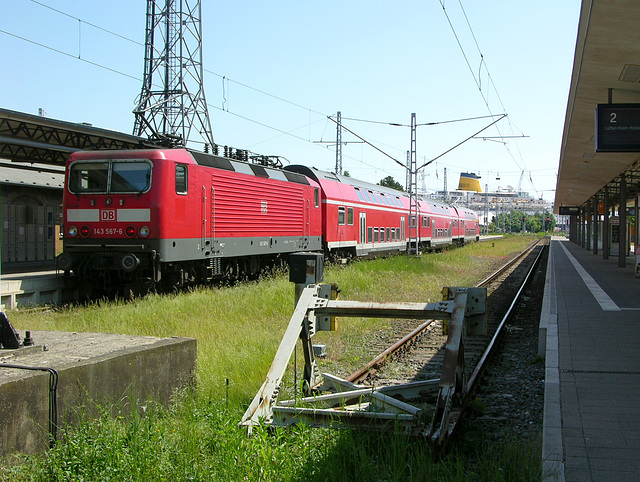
(122, 176)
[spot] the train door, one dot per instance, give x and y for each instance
(363, 228)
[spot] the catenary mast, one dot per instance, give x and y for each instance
(172, 109)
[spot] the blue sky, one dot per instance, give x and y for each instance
(289, 64)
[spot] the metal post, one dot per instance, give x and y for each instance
(635, 211)
(588, 220)
(622, 253)
(413, 192)
(339, 144)
(605, 225)
(306, 269)
(582, 228)
(572, 228)
(595, 225)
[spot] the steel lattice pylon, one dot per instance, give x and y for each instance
(172, 108)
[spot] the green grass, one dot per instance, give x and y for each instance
(238, 331)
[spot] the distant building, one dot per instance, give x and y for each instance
(31, 200)
(490, 204)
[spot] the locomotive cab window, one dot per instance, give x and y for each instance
(88, 177)
(110, 176)
(133, 176)
(182, 179)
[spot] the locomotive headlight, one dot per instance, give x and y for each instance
(85, 231)
(144, 231)
(72, 231)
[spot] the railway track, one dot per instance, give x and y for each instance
(418, 343)
(419, 355)
(438, 372)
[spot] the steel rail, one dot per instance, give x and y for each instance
(508, 264)
(474, 378)
(483, 359)
(363, 372)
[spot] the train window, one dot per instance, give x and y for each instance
(398, 202)
(124, 176)
(382, 235)
(388, 232)
(376, 235)
(316, 197)
(369, 235)
(341, 215)
(350, 216)
(366, 196)
(182, 181)
(393, 234)
(372, 197)
(130, 176)
(359, 194)
(88, 177)
(412, 222)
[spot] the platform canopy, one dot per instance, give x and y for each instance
(606, 69)
(38, 139)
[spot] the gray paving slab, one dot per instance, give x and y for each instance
(594, 371)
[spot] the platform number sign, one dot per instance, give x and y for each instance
(618, 128)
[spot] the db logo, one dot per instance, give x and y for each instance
(108, 215)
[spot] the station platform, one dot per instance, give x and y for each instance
(592, 384)
(28, 289)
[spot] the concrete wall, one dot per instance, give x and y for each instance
(121, 378)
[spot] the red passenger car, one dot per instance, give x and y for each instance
(359, 218)
(140, 218)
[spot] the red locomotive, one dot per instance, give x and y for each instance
(140, 219)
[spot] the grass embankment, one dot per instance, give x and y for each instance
(238, 330)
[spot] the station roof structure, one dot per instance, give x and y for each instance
(32, 175)
(606, 69)
(37, 139)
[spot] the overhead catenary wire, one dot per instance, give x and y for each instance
(477, 79)
(226, 79)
